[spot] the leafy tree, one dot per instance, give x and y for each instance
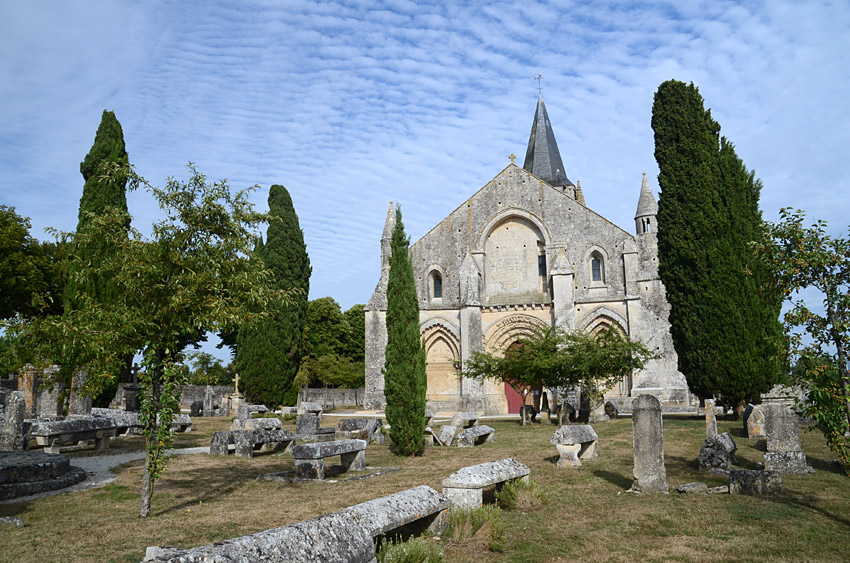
(23, 266)
(208, 370)
(554, 358)
(809, 259)
(194, 275)
(269, 352)
(405, 381)
(355, 344)
(724, 323)
(332, 370)
(326, 331)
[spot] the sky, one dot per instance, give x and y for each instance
(351, 105)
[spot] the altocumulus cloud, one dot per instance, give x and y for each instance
(351, 105)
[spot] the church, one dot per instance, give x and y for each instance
(525, 252)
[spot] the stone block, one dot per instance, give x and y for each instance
(307, 424)
(447, 434)
(475, 436)
(220, 442)
(718, 452)
(256, 424)
(782, 428)
(650, 472)
(465, 419)
(196, 408)
(309, 407)
(692, 488)
(421, 506)
(754, 482)
(787, 463)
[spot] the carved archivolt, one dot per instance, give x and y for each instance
(600, 319)
(435, 330)
(508, 330)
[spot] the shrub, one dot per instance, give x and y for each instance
(413, 551)
(518, 494)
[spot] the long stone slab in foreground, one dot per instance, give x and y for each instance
(344, 536)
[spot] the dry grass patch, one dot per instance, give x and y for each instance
(202, 499)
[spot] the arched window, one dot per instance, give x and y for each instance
(436, 285)
(596, 269)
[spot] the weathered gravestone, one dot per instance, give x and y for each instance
(28, 385)
(754, 421)
(12, 438)
(196, 408)
(718, 452)
(710, 419)
(307, 424)
(79, 403)
(784, 451)
(650, 473)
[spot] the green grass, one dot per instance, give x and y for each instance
(589, 515)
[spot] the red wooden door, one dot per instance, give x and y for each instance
(514, 399)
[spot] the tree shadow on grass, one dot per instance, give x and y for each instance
(825, 466)
(614, 478)
(805, 501)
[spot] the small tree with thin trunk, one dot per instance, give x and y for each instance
(554, 358)
(807, 258)
(193, 275)
(405, 380)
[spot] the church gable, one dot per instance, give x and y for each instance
(512, 228)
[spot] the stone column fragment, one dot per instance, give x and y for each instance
(710, 419)
(650, 473)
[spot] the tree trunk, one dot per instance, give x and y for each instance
(147, 493)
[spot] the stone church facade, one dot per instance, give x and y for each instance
(521, 253)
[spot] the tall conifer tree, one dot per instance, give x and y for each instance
(105, 188)
(724, 321)
(405, 381)
(268, 353)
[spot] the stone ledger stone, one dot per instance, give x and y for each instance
(464, 487)
(650, 473)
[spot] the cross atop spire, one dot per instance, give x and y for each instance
(542, 157)
(538, 78)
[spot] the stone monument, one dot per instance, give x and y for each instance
(784, 451)
(650, 473)
(710, 419)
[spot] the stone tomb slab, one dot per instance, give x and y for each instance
(574, 444)
(310, 458)
(464, 488)
(55, 434)
(475, 436)
(754, 422)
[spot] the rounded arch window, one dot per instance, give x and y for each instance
(436, 284)
(597, 268)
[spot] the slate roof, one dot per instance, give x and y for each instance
(542, 157)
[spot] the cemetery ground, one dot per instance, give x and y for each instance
(589, 515)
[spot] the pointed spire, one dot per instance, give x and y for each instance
(542, 157)
(647, 210)
(646, 204)
(389, 224)
(579, 194)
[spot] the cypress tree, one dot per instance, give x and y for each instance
(105, 170)
(405, 381)
(723, 320)
(105, 188)
(268, 352)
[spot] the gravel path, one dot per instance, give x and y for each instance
(98, 472)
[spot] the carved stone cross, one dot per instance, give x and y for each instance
(512, 157)
(236, 382)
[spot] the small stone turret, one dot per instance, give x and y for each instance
(646, 216)
(386, 238)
